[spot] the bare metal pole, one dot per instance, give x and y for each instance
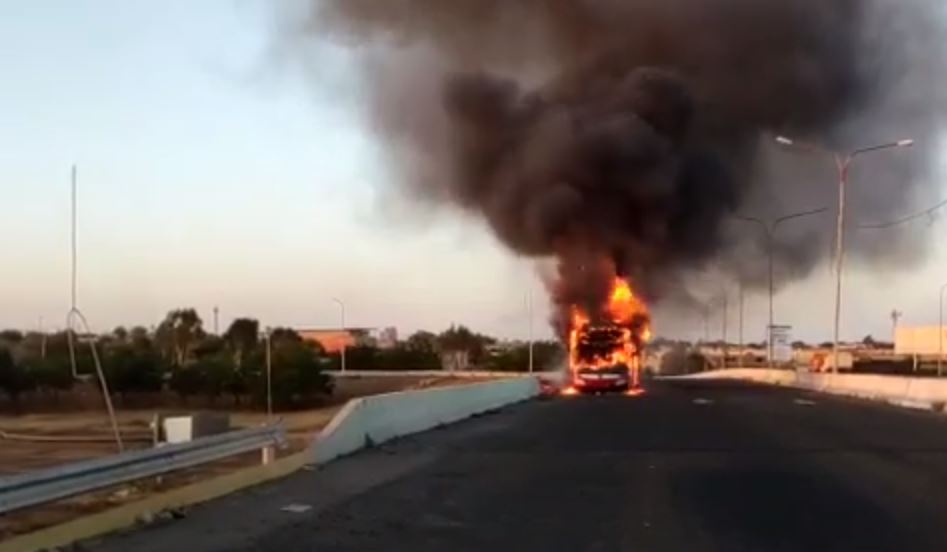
(842, 164)
(769, 327)
(75, 316)
(940, 334)
(724, 347)
(269, 375)
(42, 343)
(706, 323)
(72, 303)
(529, 310)
(342, 320)
(740, 325)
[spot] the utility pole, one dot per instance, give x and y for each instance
(843, 163)
(529, 313)
(42, 338)
(269, 375)
(216, 320)
(940, 332)
(706, 313)
(724, 332)
(895, 316)
(342, 323)
(740, 325)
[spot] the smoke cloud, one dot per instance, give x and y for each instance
(625, 135)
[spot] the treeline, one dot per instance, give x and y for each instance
(178, 356)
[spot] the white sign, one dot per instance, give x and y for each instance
(782, 343)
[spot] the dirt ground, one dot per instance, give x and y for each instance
(35, 441)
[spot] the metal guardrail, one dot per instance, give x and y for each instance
(29, 489)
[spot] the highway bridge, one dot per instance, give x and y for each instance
(699, 465)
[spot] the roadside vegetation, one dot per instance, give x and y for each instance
(179, 361)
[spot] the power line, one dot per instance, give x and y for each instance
(908, 218)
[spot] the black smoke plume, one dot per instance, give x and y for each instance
(629, 133)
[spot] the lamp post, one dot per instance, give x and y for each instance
(724, 331)
(769, 230)
(843, 163)
(342, 322)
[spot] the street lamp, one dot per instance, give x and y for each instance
(843, 162)
(769, 229)
(342, 322)
(940, 333)
(706, 314)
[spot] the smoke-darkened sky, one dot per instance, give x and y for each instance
(640, 131)
(227, 158)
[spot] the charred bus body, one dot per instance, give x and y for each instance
(604, 358)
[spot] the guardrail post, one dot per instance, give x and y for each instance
(269, 455)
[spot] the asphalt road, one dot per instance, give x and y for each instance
(696, 466)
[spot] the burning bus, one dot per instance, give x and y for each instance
(605, 349)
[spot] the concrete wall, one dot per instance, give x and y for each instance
(905, 391)
(371, 420)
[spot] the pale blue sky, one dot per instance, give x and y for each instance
(211, 173)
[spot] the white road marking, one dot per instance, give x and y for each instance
(296, 508)
(804, 402)
(703, 402)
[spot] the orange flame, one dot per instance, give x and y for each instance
(623, 308)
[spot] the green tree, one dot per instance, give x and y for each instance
(242, 338)
(178, 334)
(14, 378)
(216, 373)
(208, 346)
(186, 382)
(51, 374)
(10, 338)
(461, 339)
(422, 342)
(133, 370)
(140, 338)
(297, 378)
(120, 334)
(403, 357)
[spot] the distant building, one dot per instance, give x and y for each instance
(920, 340)
(333, 339)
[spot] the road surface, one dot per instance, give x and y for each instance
(688, 466)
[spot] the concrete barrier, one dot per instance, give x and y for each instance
(471, 374)
(364, 421)
(904, 391)
(372, 420)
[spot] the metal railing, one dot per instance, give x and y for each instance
(29, 489)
